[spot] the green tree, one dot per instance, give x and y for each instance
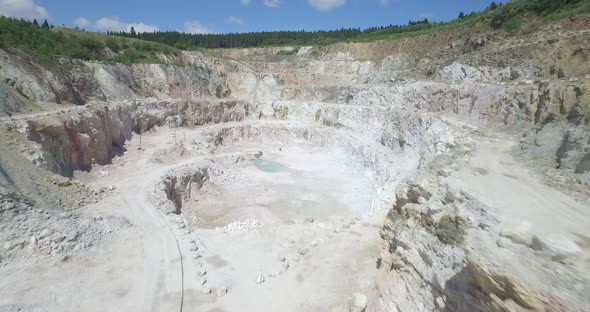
(461, 15)
(132, 31)
(493, 5)
(45, 25)
(35, 23)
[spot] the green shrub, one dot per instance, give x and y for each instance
(512, 24)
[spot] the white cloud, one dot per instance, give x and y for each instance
(272, 3)
(195, 27)
(325, 5)
(245, 2)
(384, 2)
(234, 20)
(22, 8)
(115, 24)
(81, 22)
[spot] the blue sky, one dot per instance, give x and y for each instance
(220, 16)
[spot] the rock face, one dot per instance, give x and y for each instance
(76, 142)
(426, 264)
(92, 81)
(80, 138)
(180, 186)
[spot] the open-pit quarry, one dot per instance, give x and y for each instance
(436, 173)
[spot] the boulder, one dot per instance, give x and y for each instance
(559, 246)
(303, 251)
(503, 242)
(519, 233)
(445, 172)
(33, 242)
(221, 291)
(260, 279)
(45, 233)
(58, 238)
(359, 303)
(9, 245)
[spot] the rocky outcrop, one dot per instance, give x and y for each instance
(179, 186)
(562, 131)
(429, 263)
(93, 81)
(11, 102)
(78, 140)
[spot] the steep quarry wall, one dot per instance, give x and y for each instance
(77, 139)
(84, 82)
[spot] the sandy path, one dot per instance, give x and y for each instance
(516, 194)
(135, 271)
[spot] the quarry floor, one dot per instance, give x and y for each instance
(315, 243)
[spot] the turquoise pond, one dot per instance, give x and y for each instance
(269, 166)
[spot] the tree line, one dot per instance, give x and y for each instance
(187, 41)
(499, 14)
(47, 45)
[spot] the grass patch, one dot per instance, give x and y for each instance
(512, 24)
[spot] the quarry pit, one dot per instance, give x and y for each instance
(353, 177)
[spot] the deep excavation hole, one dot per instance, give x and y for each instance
(277, 174)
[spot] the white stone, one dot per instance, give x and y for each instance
(359, 304)
(260, 279)
(33, 241)
(440, 303)
(503, 242)
(221, 291)
(518, 232)
(281, 258)
(206, 291)
(57, 238)
(285, 267)
(9, 245)
(444, 172)
(45, 233)
(559, 246)
(303, 251)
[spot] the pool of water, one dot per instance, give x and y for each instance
(269, 166)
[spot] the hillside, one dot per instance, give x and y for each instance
(516, 15)
(48, 45)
